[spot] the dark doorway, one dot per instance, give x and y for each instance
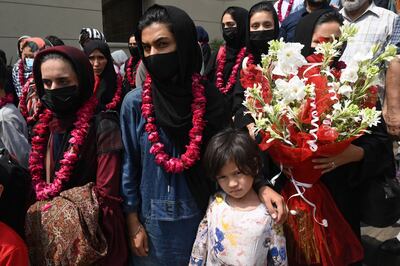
(120, 18)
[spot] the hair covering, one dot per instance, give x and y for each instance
(239, 15)
(90, 34)
(305, 30)
(21, 39)
(202, 35)
(172, 100)
(108, 76)
(119, 57)
(80, 64)
(259, 7)
(35, 43)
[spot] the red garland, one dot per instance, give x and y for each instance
(288, 10)
(9, 98)
(23, 104)
(192, 154)
(117, 96)
(220, 68)
(21, 76)
(131, 72)
(39, 142)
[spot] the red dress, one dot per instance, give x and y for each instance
(13, 251)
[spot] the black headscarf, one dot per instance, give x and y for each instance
(172, 100)
(305, 30)
(108, 77)
(80, 63)
(269, 8)
(239, 15)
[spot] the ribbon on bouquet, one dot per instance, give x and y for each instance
(301, 189)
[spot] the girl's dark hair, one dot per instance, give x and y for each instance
(54, 40)
(3, 74)
(331, 16)
(232, 145)
(231, 11)
(155, 14)
(267, 7)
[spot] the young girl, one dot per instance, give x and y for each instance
(237, 228)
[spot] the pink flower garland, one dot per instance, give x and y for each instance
(38, 154)
(220, 68)
(9, 98)
(117, 96)
(192, 154)
(23, 104)
(131, 72)
(288, 10)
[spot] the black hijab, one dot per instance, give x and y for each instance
(173, 99)
(80, 63)
(239, 15)
(260, 7)
(305, 30)
(108, 77)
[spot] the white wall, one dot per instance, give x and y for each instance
(63, 18)
(206, 13)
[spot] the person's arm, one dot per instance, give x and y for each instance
(275, 203)
(14, 138)
(131, 168)
(200, 246)
(391, 107)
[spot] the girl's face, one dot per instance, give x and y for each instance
(228, 21)
(262, 21)
(98, 61)
(57, 73)
(157, 39)
(235, 183)
(325, 31)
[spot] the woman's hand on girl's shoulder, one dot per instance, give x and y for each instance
(275, 204)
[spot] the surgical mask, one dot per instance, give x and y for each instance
(62, 101)
(162, 66)
(230, 35)
(259, 40)
(29, 63)
(134, 51)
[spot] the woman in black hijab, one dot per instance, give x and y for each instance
(165, 198)
(263, 26)
(64, 81)
(109, 90)
(224, 68)
(202, 38)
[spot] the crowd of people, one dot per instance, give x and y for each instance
(153, 159)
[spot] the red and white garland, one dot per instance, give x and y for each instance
(220, 68)
(192, 153)
(21, 76)
(288, 10)
(131, 72)
(23, 104)
(38, 154)
(8, 98)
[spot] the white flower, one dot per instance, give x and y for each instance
(345, 90)
(349, 74)
(289, 59)
(294, 90)
(337, 106)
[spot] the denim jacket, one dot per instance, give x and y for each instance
(146, 187)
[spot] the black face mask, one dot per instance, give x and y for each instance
(162, 66)
(259, 40)
(62, 101)
(134, 51)
(230, 35)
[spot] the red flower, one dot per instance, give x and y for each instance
(305, 112)
(327, 134)
(301, 138)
